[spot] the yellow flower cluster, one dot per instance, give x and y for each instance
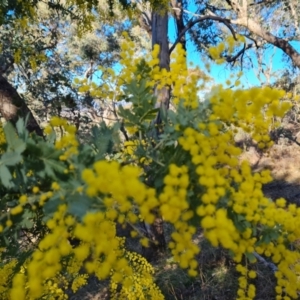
(45, 262)
(100, 248)
(2, 138)
(6, 271)
(78, 282)
(128, 60)
(68, 142)
(120, 185)
(100, 252)
(179, 79)
(174, 208)
(182, 82)
(130, 146)
(54, 291)
(19, 285)
(231, 187)
(140, 284)
(245, 291)
(173, 198)
(253, 110)
(228, 45)
(110, 87)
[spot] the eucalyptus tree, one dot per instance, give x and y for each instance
(42, 59)
(263, 22)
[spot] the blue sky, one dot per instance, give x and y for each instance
(272, 57)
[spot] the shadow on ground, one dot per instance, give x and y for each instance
(282, 189)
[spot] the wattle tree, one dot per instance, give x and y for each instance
(169, 158)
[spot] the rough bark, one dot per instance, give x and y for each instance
(178, 15)
(160, 37)
(12, 107)
(155, 231)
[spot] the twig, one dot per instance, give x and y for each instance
(266, 263)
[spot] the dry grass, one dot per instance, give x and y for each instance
(217, 280)
(282, 159)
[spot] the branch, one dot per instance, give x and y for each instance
(262, 2)
(283, 44)
(186, 11)
(233, 58)
(266, 263)
(291, 138)
(214, 8)
(258, 44)
(234, 5)
(191, 23)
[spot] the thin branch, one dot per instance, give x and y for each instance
(258, 44)
(233, 58)
(262, 2)
(242, 58)
(291, 138)
(214, 8)
(266, 263)
(186, 11)
(191, 23)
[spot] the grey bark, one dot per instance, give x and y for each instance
(178, 15)
(12, 107)
(155, 231)
(160, 37)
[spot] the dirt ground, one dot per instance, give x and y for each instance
(283, 160)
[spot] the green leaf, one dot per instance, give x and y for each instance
(11, 158)
(14, 143)
(50, 207)
(10, 133)
(149, 114)
(27, 219)
(5, 176)
(78, 205)
(251, 257)
(12, 203)
(53, 166)
(21, 127)
(51, 138)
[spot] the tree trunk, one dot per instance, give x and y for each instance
(13, 107)
(160, 37)
(155, 231)
(177, 6)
